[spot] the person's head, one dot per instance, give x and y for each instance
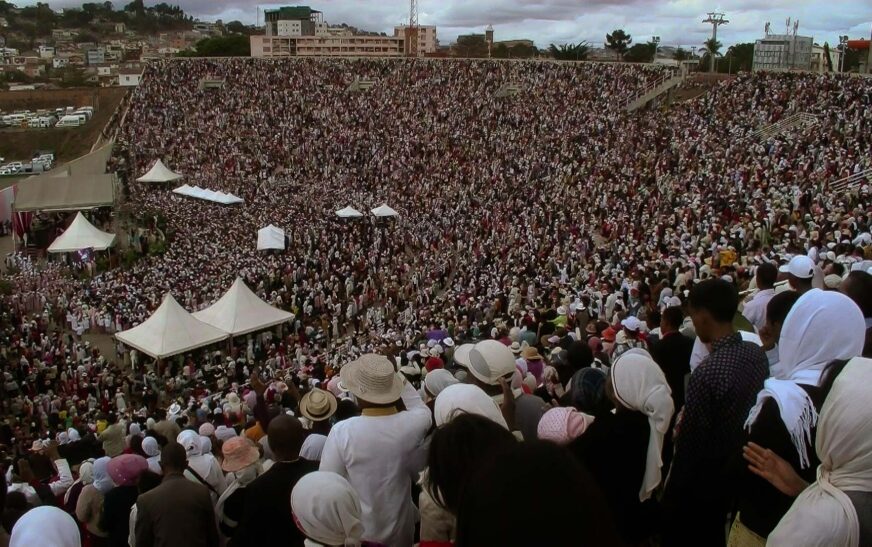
(562, 425)
(460, 399)
(327, 509)
(45, 525)
(490, 361)
(456, 449)
(766, 276)
(285, 436)
(712, 304)
(578, 356)
(858, 287)
(568, 499)
(173, 458)
(800, 272)
(588, 392)
(373, 381)
(147, 481)
(776, 312)
(671, 320)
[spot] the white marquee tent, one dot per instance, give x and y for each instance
(384, 210)
(208, 195)
(169, 331)
(349, 212)
(240, 311)
(81, 235)
(270, 237)
(159, 173)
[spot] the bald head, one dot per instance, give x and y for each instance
(285, 436)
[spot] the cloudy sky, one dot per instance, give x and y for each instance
(677, 22)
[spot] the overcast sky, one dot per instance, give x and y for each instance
(677, 22)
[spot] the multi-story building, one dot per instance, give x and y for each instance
(327, 46)
(95, 56)
(292, 21)
(427, 42)
(783, 52)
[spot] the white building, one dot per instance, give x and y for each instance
(427, 42)
(330, 46)
(129, 77)
(819, 60)
(46, 52)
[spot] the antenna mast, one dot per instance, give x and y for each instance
(412, 30)
(716, 19)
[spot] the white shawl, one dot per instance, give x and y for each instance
(823, 515)
(822, 326)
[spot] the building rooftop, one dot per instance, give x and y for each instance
(293, 12)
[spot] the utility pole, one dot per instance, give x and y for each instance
(843, 48)
(716, 20)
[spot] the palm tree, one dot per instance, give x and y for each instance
(570, 52)
(712, 48)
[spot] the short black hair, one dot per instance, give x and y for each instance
(674, 316)
(858, 287)
(766, 275)
(579, 355)
(779, 306)
(717, 297)
(172, 456)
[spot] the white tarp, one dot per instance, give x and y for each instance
(349, 212)
(240, 311)
(270, 237)
(208, 195)
(169, 331)
(159, 173)
(81, 235)
(384, 210)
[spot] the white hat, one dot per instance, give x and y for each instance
(448, 342)
(561, 310)
(631, 323)
(799, 266)
(372, 378)
(490, 360)
(461, 355)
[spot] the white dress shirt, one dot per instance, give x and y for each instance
(755, 309)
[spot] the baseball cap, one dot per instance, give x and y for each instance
(490, 360)
(631, 323)
(799, 266)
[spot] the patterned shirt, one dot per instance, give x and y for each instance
(720, 394)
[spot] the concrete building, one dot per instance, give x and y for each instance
(819, 60)
(783, 52)
(129, 77)
(46, 52)
(293, 21)
(427, 42)
(327, 46)
(95, 56)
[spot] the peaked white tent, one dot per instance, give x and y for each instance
(170, 330)
(240, 311)
(208, 195)
(270, 237)
(384, 210)
(159, 173)
(349, 212)
(81, 235)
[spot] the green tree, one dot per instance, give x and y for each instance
(570, 52)
(232, 45)
(472, 45)
(827, 57)
(619, 42)
(681, 55)
(742, 56)
(136, 7)
(237, 27)
(641, 53)
(712, 50)
(852, 59)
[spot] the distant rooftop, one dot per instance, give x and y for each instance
(293, 12)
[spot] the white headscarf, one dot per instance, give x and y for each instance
(312, 447)
(46, 526)
(327, 509)
(823, 515)
(640, 385)
(821, 326)
(466, 399)
(438, 380)
(102, 481)
(73, 435)
(190, 441)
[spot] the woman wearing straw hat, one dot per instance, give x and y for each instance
(378, 452)
(318, 406)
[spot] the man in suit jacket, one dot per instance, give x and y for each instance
(672, 353)
(179, 512)
(266, 518)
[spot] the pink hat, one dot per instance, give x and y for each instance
(250, 399)
(207, 430)
(239, 453)
(124, 470)
(562, 425)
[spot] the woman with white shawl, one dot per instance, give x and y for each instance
(834, 510)
(202, 468)
(46, 526)
(327, 510)
(822, 326)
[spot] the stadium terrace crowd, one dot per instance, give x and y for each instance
(641, 328)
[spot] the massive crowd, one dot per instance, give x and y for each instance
(558, 268)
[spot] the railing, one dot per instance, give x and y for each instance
(663, 83)
(845, 184)
(786, 124)
(651, 87)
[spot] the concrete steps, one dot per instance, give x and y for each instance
(655, 90)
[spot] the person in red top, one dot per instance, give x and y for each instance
(434, 361)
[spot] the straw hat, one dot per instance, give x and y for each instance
(531, 354)
(372, 378)
(318, 405)
(239, 453)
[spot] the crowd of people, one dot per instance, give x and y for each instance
(557, 320)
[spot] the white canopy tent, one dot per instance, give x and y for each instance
(169, 331)
(384, 210)
(208, 195)
(81, 235)
(159, 173)
(270, 237)
(349, 212)
(240, 311)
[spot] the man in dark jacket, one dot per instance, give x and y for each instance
(179, 512)
(267, 519)
(672, 352)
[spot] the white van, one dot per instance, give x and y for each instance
(71, 121)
